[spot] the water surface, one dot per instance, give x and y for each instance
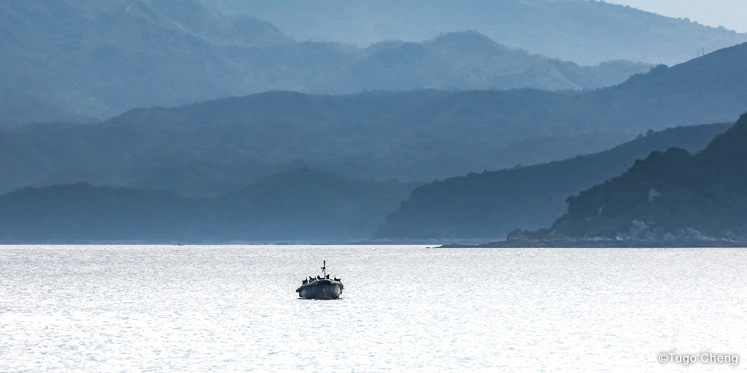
(405, 308)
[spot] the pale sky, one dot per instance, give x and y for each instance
(731, 14)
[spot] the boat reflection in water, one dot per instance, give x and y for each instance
(321, 287)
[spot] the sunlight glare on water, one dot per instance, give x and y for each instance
(405, 308)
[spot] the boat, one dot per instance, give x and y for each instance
(321, 287)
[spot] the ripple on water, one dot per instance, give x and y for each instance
(191, 308)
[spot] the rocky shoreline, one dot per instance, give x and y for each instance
(588, 243)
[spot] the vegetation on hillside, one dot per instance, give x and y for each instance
(77, 60)
(302, 204)
(488, 205)
(213, 147)
(670, 195)
(582, 31)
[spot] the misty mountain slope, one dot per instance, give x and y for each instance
(76, 61)
(296, 205)
(670, 195)
(149, 48)
(94, 8)
(235, 30)
(586, 32)
(468, 59)
(671, 88)
(82, 212)
(215, 146)
(97, 65)
(30, 32)
(490, 204)
(303, 203)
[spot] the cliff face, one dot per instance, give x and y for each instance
(669, 196)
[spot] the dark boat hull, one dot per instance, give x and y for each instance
(321, 289)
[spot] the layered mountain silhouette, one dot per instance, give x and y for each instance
(586, 32)
(488, 205)
(669, 196)
(73, 60)
(658, 199)
(301, 204)
(468, 60)
(217, 146)
(96, 65)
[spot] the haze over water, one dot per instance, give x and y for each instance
(405, 308)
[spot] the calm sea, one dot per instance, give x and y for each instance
(405, 308)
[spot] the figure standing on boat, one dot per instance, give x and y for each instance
(321, 287)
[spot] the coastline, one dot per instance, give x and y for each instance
(580, 243)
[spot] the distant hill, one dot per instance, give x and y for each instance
(468, 60)
(97, 65)
(303, 204)
(213, 147)
(488, 205)
(91, 64)
(81, 212)
(80, 60)
(669, 196)
(585, 32)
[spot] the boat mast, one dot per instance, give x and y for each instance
(324, 269)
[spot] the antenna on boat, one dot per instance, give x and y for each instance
(324, 269)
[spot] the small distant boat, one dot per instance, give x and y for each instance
(321, 287)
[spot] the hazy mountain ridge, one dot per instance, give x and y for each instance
(470, 60)
(213, 147)
(97, 65)
(304, 203)
(296, 205)
(77, 61)
(311, 206)
(488, 205)
(669, 196)
(585, 32)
